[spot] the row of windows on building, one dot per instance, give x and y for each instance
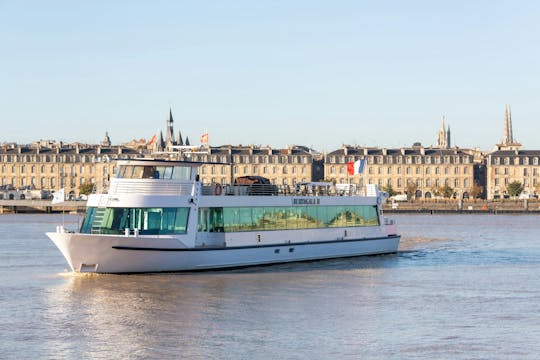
(428, 183)
(526, 181)
(254, 159)
(526, 171)
(253, 170)
(399, 170)
(418, 159)
(64, 169)
(518, 160)
(57, 158)
(47, 183)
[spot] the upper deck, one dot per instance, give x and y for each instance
(177, 178)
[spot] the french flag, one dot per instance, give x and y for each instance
(356, 167)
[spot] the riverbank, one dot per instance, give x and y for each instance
(40, 206)
(465, 207)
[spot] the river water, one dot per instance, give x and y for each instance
(461, 287)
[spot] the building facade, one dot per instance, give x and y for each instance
(507, 166)
(222, 164)
(508, 163)
(429, 169)
(53, 166)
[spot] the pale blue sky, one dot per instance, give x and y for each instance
(316, 73)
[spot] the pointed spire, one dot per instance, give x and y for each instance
(510, 130)
(179, 140)
(169, 137)
(158, 145)
(187, 141)
(443, 137)
(508, 136)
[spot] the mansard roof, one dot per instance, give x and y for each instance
(515, 153)
(257, 150)
(70, 149)
(361, 151)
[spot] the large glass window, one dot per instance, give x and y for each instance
(154, 172)
(149, 221)
(295, 217)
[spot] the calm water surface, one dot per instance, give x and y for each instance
(461, 287)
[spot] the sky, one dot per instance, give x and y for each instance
(314, 73)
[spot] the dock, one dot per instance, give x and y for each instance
(40, 206)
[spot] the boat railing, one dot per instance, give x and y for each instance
(275, 190)
(150, 187)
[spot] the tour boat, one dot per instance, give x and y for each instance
(158, 217)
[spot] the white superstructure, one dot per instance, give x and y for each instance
(157, 217)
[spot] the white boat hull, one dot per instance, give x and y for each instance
(118, 254)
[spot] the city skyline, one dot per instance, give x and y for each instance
(307, 73)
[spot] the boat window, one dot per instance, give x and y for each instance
(149, 221)
(168, 173)
(182, 173)
(150, 173)
(298, 217)
(138, 172)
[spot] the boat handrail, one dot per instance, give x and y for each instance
(149, 187)
(274, 190)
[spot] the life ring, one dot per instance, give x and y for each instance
(218, 189)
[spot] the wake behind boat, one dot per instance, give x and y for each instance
(157, 216)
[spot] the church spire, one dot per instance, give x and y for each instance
(443, 137)
(508, 135)
(508, 142)
(179, 140)
(169, 137)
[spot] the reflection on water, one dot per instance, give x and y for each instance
(460, 287)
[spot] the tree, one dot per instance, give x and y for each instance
(86, 188)
(389, 189)
(476, 191)
(514, 188)
(410, 190)
(447, 191)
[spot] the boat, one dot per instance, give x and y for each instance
(157, 216)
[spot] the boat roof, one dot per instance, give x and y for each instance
(158, 162)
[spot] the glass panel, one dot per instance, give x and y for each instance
(231, 218)
(182, 173)
(86, 227)
(244, 221)
(257, 215)
(168, 173)
(138, 172)
(150, 173)
(149, 221)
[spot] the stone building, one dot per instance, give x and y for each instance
(507, 166)
(47, 165)
(222, 164)
(428, 168)
(507, 163)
